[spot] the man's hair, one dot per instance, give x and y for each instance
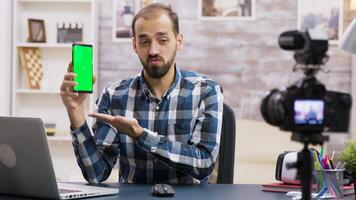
(154, 10)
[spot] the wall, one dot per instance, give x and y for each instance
(5, 56)
(243, 56)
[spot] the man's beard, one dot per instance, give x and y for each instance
(157, 71)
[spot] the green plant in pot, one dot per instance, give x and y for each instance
(348, 155)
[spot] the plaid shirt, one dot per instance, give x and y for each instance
(181, 135)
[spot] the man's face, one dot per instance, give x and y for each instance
(156, 44)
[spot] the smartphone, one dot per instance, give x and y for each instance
(82, 60)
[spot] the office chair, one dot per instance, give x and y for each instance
(227, 147)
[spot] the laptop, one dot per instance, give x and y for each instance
(26, 166)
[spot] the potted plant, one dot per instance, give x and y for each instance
(348, 155)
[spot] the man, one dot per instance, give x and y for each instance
(164, 124)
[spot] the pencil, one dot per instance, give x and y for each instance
(333, 155)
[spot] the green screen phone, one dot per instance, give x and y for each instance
(82, 58)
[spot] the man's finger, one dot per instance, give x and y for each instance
(101, 116)
(68, 85)
(70, 67)
(69, 76)
(68, 94)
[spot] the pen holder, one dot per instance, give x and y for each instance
(329, 183)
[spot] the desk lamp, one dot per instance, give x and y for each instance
(348, 39)
(353, 5)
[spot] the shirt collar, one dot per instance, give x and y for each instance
(148, 94)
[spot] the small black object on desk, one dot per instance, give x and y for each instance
(162, 190)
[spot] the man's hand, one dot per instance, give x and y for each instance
(73, 101)
(128, 126)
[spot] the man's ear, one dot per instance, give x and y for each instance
(180, 41)
(134, 44)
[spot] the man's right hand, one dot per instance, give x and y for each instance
(73, 101)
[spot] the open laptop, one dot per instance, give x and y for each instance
(26, 166)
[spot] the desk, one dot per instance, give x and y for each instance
(197, 192)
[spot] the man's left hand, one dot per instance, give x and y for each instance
(128, 126)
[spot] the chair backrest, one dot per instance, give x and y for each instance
(227, 147)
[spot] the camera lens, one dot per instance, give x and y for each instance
(272, 107)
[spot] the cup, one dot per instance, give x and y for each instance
(329, 183)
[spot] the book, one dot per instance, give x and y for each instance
(284, 188)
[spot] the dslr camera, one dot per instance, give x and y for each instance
(307, 106)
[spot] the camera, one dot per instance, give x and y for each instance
(307, 106)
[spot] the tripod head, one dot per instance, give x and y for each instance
(310, 138)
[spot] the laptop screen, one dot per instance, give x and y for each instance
(25, 162)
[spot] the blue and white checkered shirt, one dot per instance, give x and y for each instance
(181, 135)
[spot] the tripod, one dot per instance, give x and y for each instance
(304, 162)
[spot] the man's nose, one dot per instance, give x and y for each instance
(154, 49)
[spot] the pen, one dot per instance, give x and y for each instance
(322, 191)
(318, 164)
(322, 152)
(333, 155)
(327, 161)
(325, 164)
(331, 163)
(342, 166)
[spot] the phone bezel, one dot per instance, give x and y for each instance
(86, 45)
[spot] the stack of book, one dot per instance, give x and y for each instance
(50, 128)
(284, 188)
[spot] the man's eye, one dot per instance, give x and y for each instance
(144, 42)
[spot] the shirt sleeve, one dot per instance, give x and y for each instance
(97, 155)
(197, 157)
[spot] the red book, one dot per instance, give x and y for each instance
(284, 188)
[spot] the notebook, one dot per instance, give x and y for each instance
(26, 166)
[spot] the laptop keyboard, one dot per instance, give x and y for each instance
(64, 191)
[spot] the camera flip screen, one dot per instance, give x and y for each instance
(309, 112)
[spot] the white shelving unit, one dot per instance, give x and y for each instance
(46, 103)
(44, 45)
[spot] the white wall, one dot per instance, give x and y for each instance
(5, 56)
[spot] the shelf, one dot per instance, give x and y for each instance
(45, 45)
(59, 138)
(34, 91)
(55, 1)
(46, 103)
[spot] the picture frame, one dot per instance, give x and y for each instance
(226, 10)
(37, 31)
(143, 3)
(321, 15)
(122, 15)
